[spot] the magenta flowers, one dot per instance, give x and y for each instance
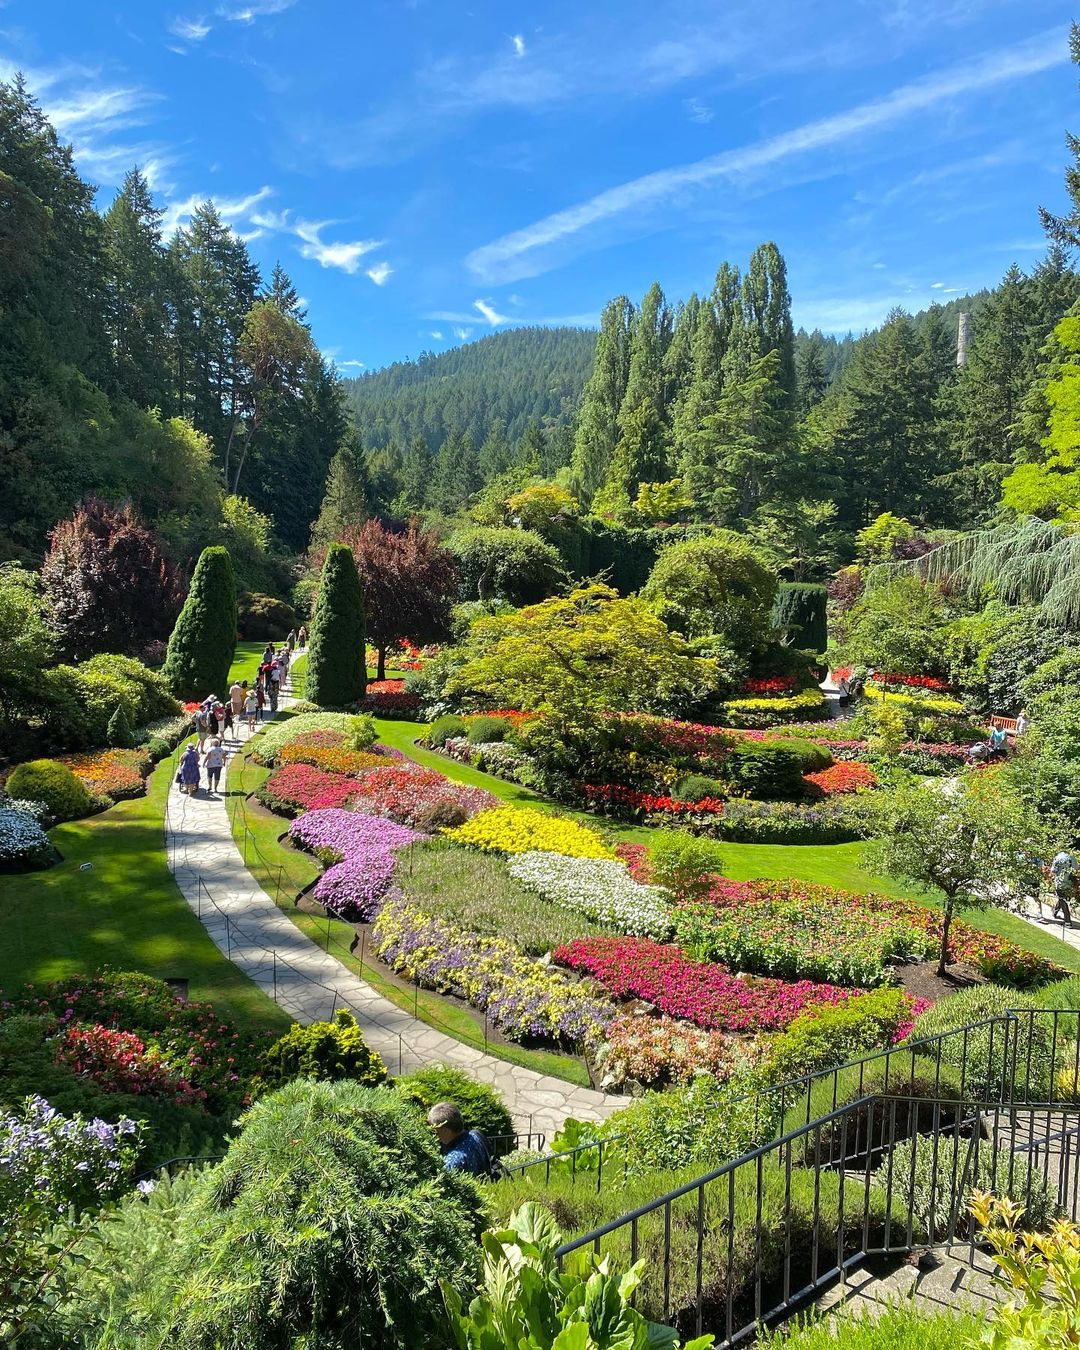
(361, 849)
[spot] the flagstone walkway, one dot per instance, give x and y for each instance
(309, 984)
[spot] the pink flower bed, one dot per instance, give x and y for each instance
(699, 991)
(409, 795)
(306, 788)
(361, 849)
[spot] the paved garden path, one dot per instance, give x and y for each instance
(308, 983)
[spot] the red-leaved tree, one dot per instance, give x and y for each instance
(107, 586)
(409, 582)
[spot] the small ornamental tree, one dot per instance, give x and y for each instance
(203, 642)
(971, 843)
(120, 733)
(336, 674)
(107, 586)
(408, 581)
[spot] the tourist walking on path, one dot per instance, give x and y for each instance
(260, 699)
(1063, 875)
(226, 719)
(251, 709)
(202, 726)
(236, 697)
(290, 641)
(214, 762)
(268, 653)
(301, 637)
(189, 770)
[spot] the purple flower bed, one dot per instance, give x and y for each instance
(361, 850)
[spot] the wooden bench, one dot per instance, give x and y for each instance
(1004, 724)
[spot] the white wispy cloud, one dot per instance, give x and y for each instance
(237, 212)
(519, 44)
(100, 109)
(461, 332)
(489, 313)
(698, 112)
(254, 9)
(511, 256)
(381, 273)
(190, 30)
(351, 365)
(343, 254)
(436, 333)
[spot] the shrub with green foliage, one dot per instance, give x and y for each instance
(758, 714)
(336, 673)
(685, 863)
(330, 1223)
(695, 787)
(361, 733)
(715, 585)
(324, 1050)
(481, 1106)
(829, 1035)
(1060, 673)
(203, 642)
(799, 608)
(764, 769)
(79, 701)
(506, 564)
(44, 780)
(484, 730)
(446, 728)
(263, 618)
(812, 757)
(120, 734)
(989, 1057)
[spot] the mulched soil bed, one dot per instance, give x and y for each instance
(921, 980)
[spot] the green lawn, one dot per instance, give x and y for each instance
(828, 864)
(245, 664)
(124, 911)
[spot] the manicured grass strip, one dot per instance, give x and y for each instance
(826, 864)
(245, 665)
(284, 872)
(124, 911)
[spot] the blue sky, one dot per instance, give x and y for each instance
(429, 171)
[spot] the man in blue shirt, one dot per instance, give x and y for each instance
(463, 1150)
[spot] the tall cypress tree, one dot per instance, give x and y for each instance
(767, 313)
(346, 503)
(701, 396)
(598, 421)
(337, 671)
(203, 642)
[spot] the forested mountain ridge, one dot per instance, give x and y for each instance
(513, 378)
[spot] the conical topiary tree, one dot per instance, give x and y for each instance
(203, 642)
(119, 733)
(336, 672)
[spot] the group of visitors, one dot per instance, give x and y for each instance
(246, 702)
(996, 745)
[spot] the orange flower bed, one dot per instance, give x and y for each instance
(846, 776)
(118, 774)
(331, 758)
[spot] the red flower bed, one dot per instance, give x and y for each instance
(611, 794)
(843, 777)
(914, 681)
(699, 991)
(512, 715)
(118, 1061)
(388, 696)
(408, 794)
(776, 684)
(306, 788)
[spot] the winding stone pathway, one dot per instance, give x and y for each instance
(309, 984)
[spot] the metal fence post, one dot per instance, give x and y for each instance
(228, 937)
(274, 954)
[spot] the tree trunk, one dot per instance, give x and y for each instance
(943, 959)
(380, 669)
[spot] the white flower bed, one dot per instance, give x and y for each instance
(599, 888)
(23, 843)
(171, 730)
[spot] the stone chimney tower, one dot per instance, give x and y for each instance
(963, 338)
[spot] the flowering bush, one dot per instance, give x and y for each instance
(843, 777)
(658, 1051)
(171, 730)
(361, 850)
(599, 888)
(630, 801)
(277, 734)
(24, 845)
(119, 1061)
(302, 787)
(835, 820)
(913, 681)
(775, 684)
(414, 795)
(497, 757)
(333, 758)
(768, 712)
(785, 931)
(514, 829)
(118, 774)
(700, 992)
(524, 999)
(384, 697)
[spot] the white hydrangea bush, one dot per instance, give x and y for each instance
(599, 888)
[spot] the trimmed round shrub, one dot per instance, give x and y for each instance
(324, 1050)
(827, 1036)
(485, 730)
(203, 642)
(263, 618)
(333, 1221)
(446, 728)
(514, 565)
(764, 769)
(157, 749)
(480, 1105)
(44, 780)
(361, 733)
(695, 787)
(812, 757)
(336, 673)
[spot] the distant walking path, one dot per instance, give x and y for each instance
(307, 983)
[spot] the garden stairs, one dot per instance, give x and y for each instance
(310, 984)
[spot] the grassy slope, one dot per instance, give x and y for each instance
(828, 864)
(125, 911)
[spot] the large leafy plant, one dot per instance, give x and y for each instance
(528, 1303)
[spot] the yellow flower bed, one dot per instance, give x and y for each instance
(513, 829)
(941, 705)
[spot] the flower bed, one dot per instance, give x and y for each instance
(24, 845)
(701, 992)
(419, 797)
(514, 829)
(916, 702)
(836, 820)
(267, 744)
(386, 697)
(118, 774)
(334, 758)
(361, 850)
(119, 1061)
(788, 933)
(914, 681)
(302, 787)
(841, 778)
(599, 888)
(624, 801)
(171, 730)
(659, 1051)
(497, 757)
(759, 713)
(774, 684)
(524, 999)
